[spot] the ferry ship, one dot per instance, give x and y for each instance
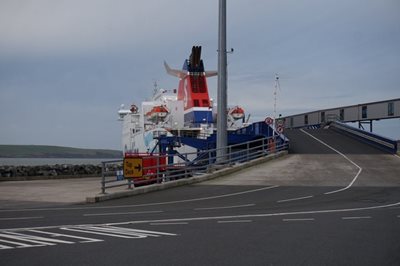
(184, 119)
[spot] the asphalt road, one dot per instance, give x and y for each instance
(332, 201)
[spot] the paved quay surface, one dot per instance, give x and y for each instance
(39, 193)
(47, 192)
(312, 207)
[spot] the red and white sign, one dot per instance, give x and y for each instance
(280, 122)
(269, 120)
(279, 129)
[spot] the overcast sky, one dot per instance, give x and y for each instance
(67, 65)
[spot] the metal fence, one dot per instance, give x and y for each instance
(159, 168)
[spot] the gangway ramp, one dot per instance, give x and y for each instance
(324, 158)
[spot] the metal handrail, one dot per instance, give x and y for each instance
(182, 169)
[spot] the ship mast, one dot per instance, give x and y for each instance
(276, 86)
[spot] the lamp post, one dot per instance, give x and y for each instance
(222, 134)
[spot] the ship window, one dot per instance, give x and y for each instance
(391, 109)
(341, 114)
(322, 117)
(205, 103)
(306, 120)
(364, 113)
(196, 103)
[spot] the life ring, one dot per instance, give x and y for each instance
(134, 109)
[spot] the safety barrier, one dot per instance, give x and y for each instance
(155, 169)
(378, 141)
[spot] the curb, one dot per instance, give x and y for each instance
(182, 182)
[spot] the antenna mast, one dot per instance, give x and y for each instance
(276, 87)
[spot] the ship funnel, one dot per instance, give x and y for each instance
(195, 57)
(174, 72)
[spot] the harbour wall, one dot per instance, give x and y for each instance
(22, 173)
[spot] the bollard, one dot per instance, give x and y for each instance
(103, 178)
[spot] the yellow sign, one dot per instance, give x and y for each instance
(133, 167)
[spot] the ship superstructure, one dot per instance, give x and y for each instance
(184, 120)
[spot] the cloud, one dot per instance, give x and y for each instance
(94, 26)
(67, 65)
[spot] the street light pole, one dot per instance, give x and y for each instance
(222, 134)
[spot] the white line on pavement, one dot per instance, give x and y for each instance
(120, 213)
(206, 218)
(235, 221)
(344, 156)
(356, 217)
(144, 204)
(294, 199)
(20, 218)
(298, 220)
(224, 207)
(179, 223)
(261, 215)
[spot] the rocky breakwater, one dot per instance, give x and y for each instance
(52, 171)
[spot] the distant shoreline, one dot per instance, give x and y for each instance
(53, 161)
(55, 152)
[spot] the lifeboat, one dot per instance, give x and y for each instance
(159, 112)
(237, 113)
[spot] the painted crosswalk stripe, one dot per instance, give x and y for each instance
(115, 231)
(21, 240)
(35, 237)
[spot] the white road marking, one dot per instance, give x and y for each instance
(83, 239)
(235, 221)
(294, 199)
(397, 156)
(180, 223)
(27, 238)
(119, 213)
(206, 218)
(298, 220)
(116, 231)
(356, 217)
(13, 238)
(224, 207)
(24, 241)
(344, 156)
(216, 217)
(142, 205)
(21, 218)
